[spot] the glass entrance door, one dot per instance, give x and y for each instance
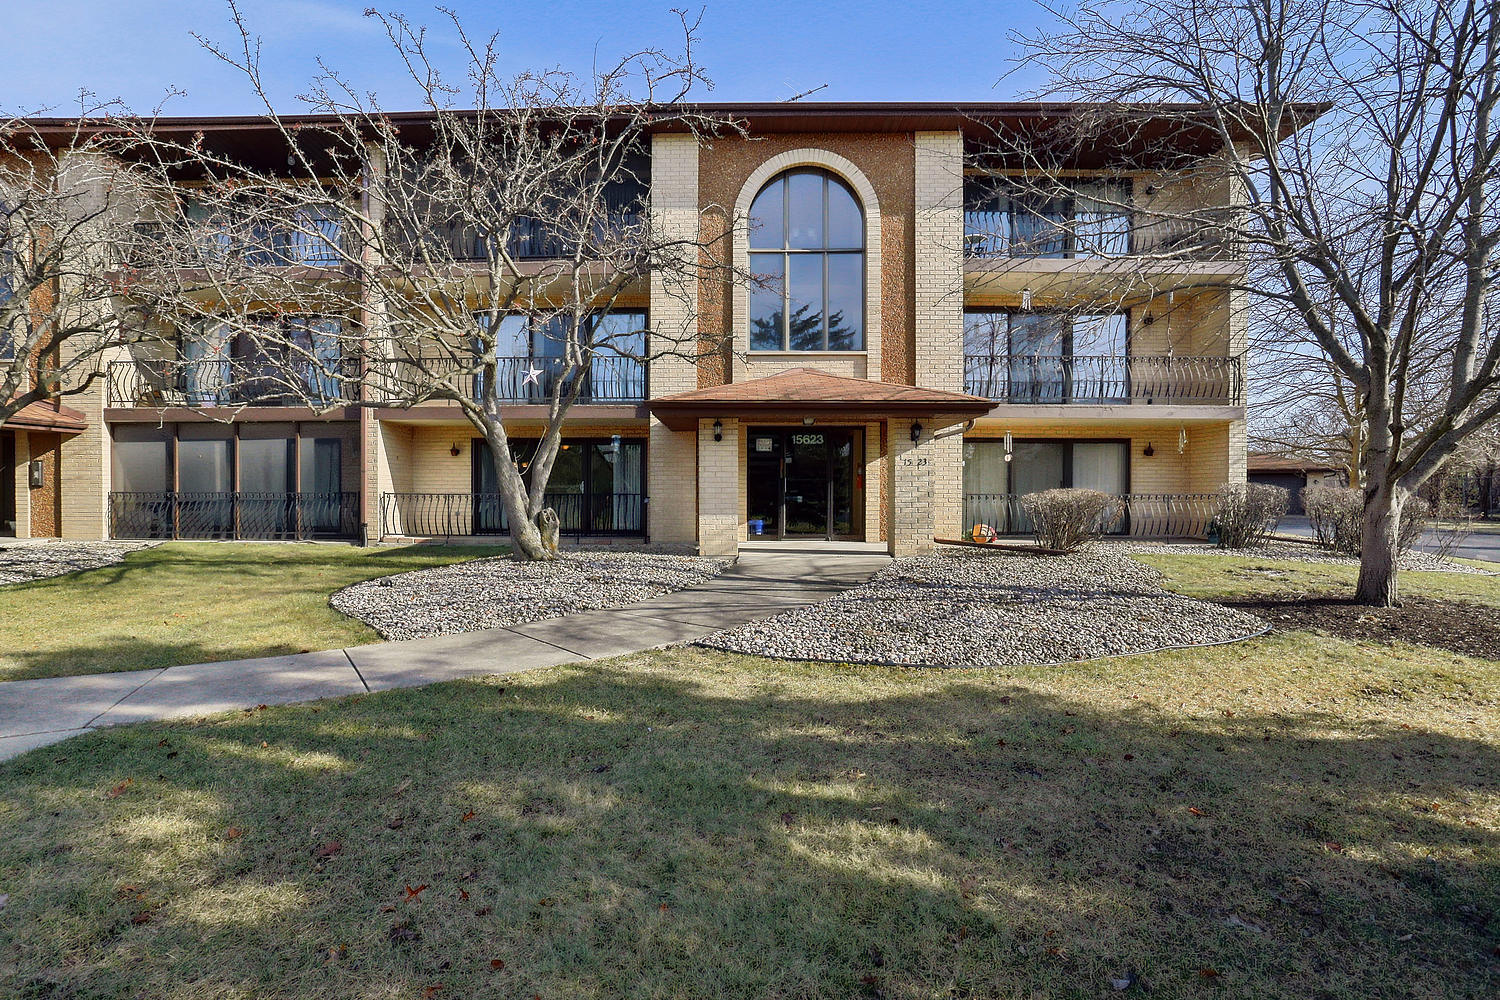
(800, 483)
(806, 482)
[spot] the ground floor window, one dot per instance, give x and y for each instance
(244, 481)
(597, 485)
(993, 485)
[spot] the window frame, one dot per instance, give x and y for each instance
(785, 252)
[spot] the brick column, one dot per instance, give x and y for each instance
(938, 318)
(912, 465)
(719, 525)
(671, 458)
(372, 318)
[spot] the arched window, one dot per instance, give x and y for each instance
(807, 251)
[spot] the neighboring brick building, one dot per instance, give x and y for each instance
(924, 363)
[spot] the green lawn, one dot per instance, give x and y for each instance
(186, 602)
(1278, 819)
(1252, 576)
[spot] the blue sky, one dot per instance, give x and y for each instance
(764, 51)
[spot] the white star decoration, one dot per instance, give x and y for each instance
(532, 376)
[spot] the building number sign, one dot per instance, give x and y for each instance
(807, 439)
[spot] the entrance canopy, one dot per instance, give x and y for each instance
(808, 392)
(47, 415)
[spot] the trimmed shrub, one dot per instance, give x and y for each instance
(1065, 519)
(1338, 515)
(1416, 515)
(1335, 513)
(1246, 514)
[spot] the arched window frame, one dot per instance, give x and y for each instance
(869, 360)
(786, 254)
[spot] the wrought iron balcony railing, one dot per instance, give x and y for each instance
(611, 379)
(530, 239)
(432, 515)
(163, 382)
(1152, 515)
(317, 243)
(992, 234)
(263, 516)
(1104, 380)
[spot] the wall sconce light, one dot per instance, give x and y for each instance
(916, 431)
(37, 474)
(1026, 299)
(454, 451)
(1148, 320)
(1009, 445)
(807, 421)
(1181, 440)
(1149, 450)
(718, 429)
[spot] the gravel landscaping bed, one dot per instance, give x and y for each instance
(38, 559)
(1412, 559)
(968, 608)
(493, 593)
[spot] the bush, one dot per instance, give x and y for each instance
(1247, 513)
(1338, 515)
(1065, 519)
(1415, 516)
(1335, 513)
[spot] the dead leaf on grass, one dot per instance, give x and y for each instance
(119, 789)
(329, 849)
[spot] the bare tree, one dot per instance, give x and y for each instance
(66, 205)
(487, 251)
(1375, 224)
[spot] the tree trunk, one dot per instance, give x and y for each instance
(526, 539)
(1379, 546)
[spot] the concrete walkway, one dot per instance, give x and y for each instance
(766, 579)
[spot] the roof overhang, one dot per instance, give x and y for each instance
(47, 416)
(800, 393)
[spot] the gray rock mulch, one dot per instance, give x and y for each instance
(24, 560)
(1412, 559)
(966, 608)
(494, 593)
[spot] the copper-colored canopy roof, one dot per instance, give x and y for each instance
(47, 416)
(800, 392)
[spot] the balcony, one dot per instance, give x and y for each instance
(255, 516)
(160, 383)
(1105, 381)
(319, 242)
(996, 234)
(611, 379)
(445, 515)
(530, 239)
(1148, 515)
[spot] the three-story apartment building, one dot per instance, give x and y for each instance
(935, 337)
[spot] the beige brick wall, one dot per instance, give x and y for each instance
(720, 489)
(912, 498)
(671, 509)
(22, 492)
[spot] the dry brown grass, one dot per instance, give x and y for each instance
(1292, 817)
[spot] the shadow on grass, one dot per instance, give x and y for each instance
(603, 831)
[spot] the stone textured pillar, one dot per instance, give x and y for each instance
(671, 458)
(938, 317)
(719, 489)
